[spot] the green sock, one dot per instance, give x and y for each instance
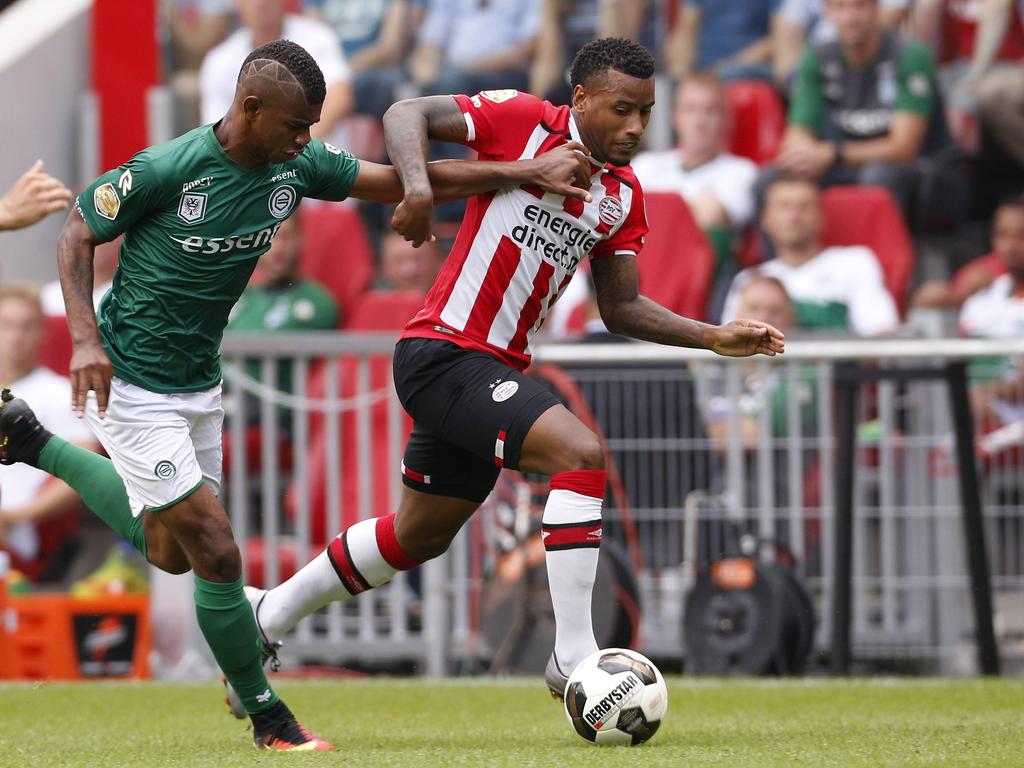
(226, 619)
(94, 478)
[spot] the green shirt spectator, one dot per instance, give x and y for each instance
(284, 302)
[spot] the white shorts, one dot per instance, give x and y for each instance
(163, 446)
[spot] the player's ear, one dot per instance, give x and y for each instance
(579, 98)
(252, 105)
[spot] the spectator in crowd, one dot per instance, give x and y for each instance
(32, 197)
(283, 302)
(834, 288)
(29, 495)
(978, 41)
(374, 36)
(800, 22)
(978, 275)
(567, 25)
(998, 308)
(404, 267)
(997, 311)
(718, 186)
(761, 387)
(194, 27)
(466, 46)
(263, 21)
(104, 266)
(865, 108)
(732, 39)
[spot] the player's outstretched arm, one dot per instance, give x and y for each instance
(407, 127)
(628, 313)
(33, 196)
(90, 366)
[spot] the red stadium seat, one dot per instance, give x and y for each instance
(677, 263)
(982, 270)
(336, 251)
(758, 120)
(56, 351)
(383, 310)
(870, 216)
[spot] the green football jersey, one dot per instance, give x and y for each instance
(195, 223)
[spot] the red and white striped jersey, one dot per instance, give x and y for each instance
(518, 247)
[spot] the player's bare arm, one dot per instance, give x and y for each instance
(409, 124)
(90, 366)
(628, 313)
(563, 171)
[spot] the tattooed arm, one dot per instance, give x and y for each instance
(628, 313)
(90, 366)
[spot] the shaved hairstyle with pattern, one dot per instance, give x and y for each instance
(283, 68)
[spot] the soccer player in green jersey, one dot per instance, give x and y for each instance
(196, 214)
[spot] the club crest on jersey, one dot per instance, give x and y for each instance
(192, 207)
(282, 200)
(106, 201)
(610, 210)
(499, 96)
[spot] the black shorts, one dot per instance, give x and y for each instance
(470, 412)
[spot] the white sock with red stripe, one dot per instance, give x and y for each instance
(365, 556)
(572, 536)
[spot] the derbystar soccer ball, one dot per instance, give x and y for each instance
(616, 696)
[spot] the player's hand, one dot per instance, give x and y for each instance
(743, 338)
(565, 171)
(33, 196)
(413, 219)
(90, 370)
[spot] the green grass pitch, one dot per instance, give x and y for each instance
(425, 723)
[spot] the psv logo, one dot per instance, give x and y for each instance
(610, 210)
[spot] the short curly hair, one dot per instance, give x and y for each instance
(598, 56)
(298, 62)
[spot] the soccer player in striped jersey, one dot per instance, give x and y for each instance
(459, 364)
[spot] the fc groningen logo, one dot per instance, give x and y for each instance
(165, 470)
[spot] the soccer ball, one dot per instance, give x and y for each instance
(616, 696)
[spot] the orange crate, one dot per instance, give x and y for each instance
(57, 637)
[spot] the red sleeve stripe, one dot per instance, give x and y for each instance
(341, 559)
(571, 535)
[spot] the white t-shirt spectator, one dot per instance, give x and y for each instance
(840, 288)
(811, 15)
(728, 178)
(52, 298)
(218, 74)
(995, 312)
(49, 395)
(469, 30)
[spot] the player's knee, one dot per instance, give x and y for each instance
(428, 546)
(586, 453)
(223, 561)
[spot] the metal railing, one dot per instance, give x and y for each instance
(755, 436)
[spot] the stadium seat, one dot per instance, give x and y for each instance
(383, 310)
(758, 120)
(677, 263)
(990, 265)
(869, 216)
(336, 251)
(56, 351)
